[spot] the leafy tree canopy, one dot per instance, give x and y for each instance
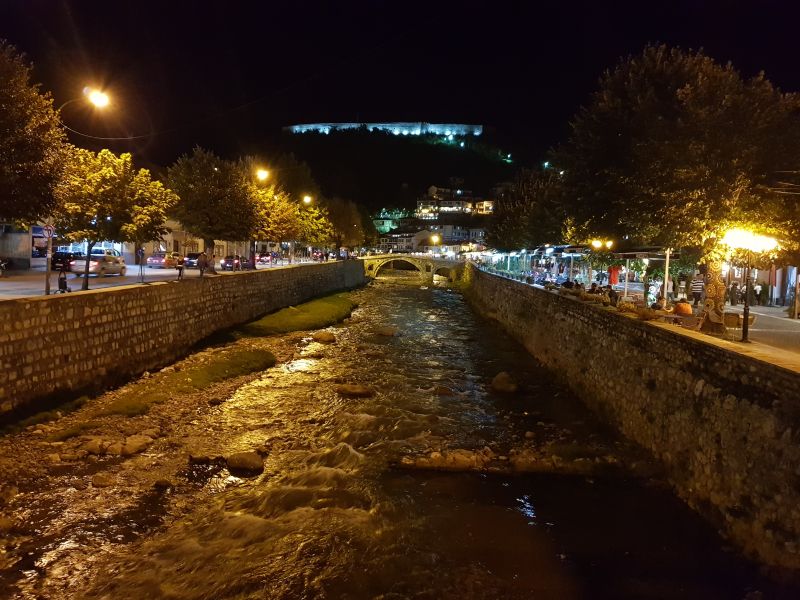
(674, 149)
(31, 142)
(102, 197)
(215, 197)
(346, 222)
(530, 214)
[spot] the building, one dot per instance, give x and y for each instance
(386, 220)
(404, 239)
(447, 130)
(439, 201)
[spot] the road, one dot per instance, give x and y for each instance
(21, 284)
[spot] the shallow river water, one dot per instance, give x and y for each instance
(351, 505)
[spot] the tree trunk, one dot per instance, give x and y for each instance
(85, 283)
(714, 304)
(208, 245)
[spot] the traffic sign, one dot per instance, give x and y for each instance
(48, 231)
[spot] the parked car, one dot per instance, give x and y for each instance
(190, 262)
(109, 262)
(163, 260)
(62, 259)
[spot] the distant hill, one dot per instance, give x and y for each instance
(379, 170)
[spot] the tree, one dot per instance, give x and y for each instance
(531, 214)
(315, 225)
(294, 177)
(215, 197)
(347, 229)
(102, 197)
(674, 149)
(31, 142)
(278, 217)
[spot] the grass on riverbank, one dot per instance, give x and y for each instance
(137, 399)
(315, 314)
(45, 416)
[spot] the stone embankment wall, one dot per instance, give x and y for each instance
(726, 425)
(88, 339)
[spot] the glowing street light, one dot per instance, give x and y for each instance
(262, 174)
(742, 239)
(598, 244)
(307, 199)
(435, 239)
(98, 98)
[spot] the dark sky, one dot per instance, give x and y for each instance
(229, 74)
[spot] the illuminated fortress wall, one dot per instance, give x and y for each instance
(443, 129)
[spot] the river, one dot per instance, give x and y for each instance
(542, 500)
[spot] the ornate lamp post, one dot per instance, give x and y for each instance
(743, 239)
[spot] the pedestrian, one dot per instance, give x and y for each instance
(202, 263)
(180, 264)
(733, 294)
(211, 264)
(63, 288)
(697, 289)
(670, 289)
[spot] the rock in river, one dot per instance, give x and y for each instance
(101, 480)
(354, 390)
(250, 462)
(387, 331)
(135, 444)
(324, 337)
(503, 382)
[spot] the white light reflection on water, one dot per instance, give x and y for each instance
(527, 509)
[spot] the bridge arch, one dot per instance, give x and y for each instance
(374, 268)
(426, 266)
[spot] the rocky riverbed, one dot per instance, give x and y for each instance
(410, 452)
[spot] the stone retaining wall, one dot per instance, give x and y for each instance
(98, 337)
(725, 424)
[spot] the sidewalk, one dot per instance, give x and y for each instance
(772, 327)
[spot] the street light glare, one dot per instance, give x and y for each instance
(747, 240)
(596, 244)
(435, 239)
(262, 174)
(96, 97)
(307, 199)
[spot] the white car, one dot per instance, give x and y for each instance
(102, 262)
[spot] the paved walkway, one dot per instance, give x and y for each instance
(23, 284)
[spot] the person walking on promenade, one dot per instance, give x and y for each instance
(697, 289)
(179, 266)
(733, 294)
(202, 263)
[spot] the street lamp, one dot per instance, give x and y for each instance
(598, 244)
(742, 239)
(262, 174)
(435, 239)
(98, 99)
(307, 199)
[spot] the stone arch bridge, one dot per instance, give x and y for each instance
(427, 266)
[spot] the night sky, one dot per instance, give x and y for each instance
(228, 75)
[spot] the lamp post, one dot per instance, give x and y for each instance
(743, 239)
(599, 245)
(435, 239)
(99, 100)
